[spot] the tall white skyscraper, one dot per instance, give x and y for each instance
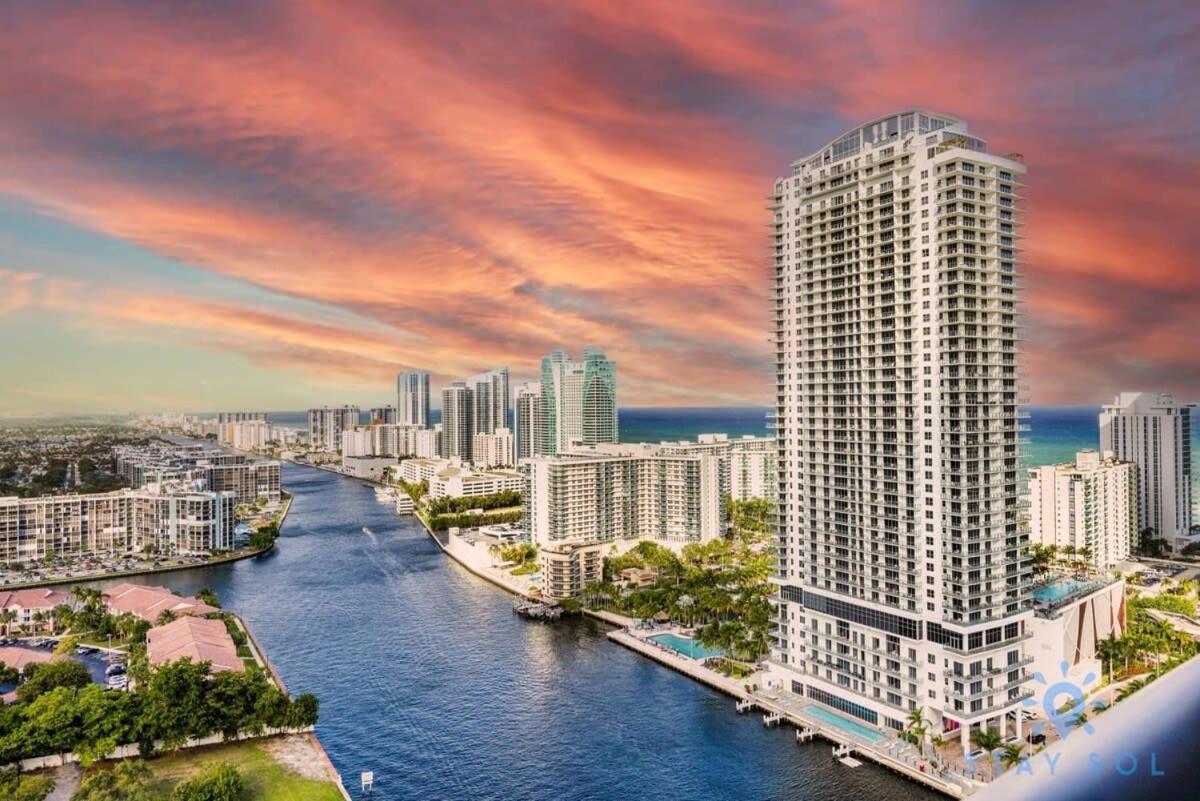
(902, 583)
(489, 394)
(527, 419)
(579, 401)
(412, 399)
(458, 421)
(1154, 431)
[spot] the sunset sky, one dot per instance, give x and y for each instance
(279, 204)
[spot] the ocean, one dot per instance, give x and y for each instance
(1056, 432)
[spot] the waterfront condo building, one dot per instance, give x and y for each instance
(1154, 431)
(527, 419)
(412, 399)
(171, 520)
(579, 402)
(489, 399)
(902, 579)
(325, 426)
(1089, 506)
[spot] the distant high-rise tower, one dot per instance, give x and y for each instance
(458, 426)
(528, 419)
(1154, 432)
(325, 426)
(579, 401)
(902, 580)
(490, 397)
(412, 399)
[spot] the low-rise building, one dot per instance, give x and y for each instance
(32, 608)
(1071, 618)
(197, 639)
(453, 479)
(149, 602)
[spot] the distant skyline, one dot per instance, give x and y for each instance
(278, 205)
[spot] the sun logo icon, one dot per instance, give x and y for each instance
(1068, 714)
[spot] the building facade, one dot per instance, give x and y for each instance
(325, 426)
(493, 450)
(1089, 504)
(902, 583)
(170, 521)
(489, 399)
(412, 399)
(579, 402)
(528, 419)
(458, 421)
(1154, 431)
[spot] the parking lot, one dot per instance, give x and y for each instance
(96, 660)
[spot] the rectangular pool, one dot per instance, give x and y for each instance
(1057, 590)
(686, 647)
(845, 724)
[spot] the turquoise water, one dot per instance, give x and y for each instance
(686, 647)
(1057, 590)
(845, 724)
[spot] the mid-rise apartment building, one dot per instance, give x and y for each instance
(169, 520)
(249, 478)
(1154, 431)
(412, 398)
(383, 415)
(493, 450)
(1089, 505)
(579, 402)
(902, 580)
(325, 426)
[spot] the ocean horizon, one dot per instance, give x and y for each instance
(1056, 433)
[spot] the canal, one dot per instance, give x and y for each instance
(427, 678)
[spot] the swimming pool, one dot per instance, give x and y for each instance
(686, 647)
(1057, 590)
(845, 724)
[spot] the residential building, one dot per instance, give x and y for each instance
(748, 464)
(579, 402)
(325, 426)
(195, 638)
(149, 602)
(249, 435)
(1071, 618)
(489, 398)
(169, 520)
(493, 450)
(902, 580)
(1089, 504)
(1154, 431)
(32, 608)
(383, 415)
(458, 421)
(250, 479)
(412, 398)
(528, 419)
(427, 444)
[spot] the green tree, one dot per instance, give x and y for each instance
(42, 677)
(174, 705)
(1012, 754)
(217, 782)
(125, 782)
(15, 787)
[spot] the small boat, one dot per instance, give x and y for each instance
(366, 530)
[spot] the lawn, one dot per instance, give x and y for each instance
(267, 777)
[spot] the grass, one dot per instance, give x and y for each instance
(266, 779)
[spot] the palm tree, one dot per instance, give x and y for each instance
(1011, 755)
(987, 740)
(61, 617)
(918, 727)
(6, 619)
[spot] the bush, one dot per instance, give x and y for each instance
(43, 677)
(23, 788)
(219, 782)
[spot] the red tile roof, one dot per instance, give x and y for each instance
(201, 639)
(149, 602)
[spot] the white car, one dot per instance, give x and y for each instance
(977, 755)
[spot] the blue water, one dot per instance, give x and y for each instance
(1056, 591)
(687, 647)
(427, 677)
(845, 724)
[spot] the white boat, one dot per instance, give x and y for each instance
(366, 530)
(385, 495)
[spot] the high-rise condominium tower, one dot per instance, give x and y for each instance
(458, 421)
(1154, 432)
(489, 392)
(325, 426)
(527, 419)
(902, 583)
(579, 401)
(412, 399)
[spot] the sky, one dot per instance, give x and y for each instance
(224, 205)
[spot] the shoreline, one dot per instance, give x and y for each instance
(150, 571)
(717, 681)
